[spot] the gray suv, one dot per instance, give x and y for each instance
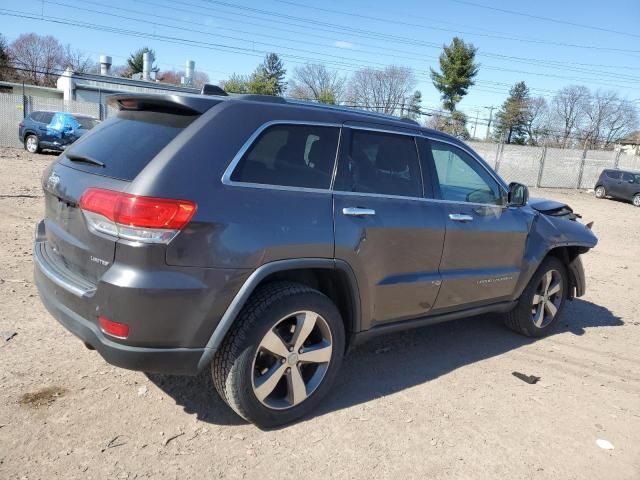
(262, 237)
(622, 184)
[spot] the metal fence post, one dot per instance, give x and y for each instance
(616, 162)
(584, 157)
(499, 155)
(541, 169)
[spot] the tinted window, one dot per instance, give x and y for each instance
(613, 174)
(290, 155)
(127, 143)
(626, 177)
(86, 123)
(45, 117)
(383, 163)
(462, 178)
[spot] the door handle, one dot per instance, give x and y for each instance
(460, 217)
(358, 212)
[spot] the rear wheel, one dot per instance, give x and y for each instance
(541, 303)
(281, 356)
(31, 144)
(600, 192)
(636, 200)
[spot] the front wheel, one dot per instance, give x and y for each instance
(541, 303)
(281, 356)
(600, 192)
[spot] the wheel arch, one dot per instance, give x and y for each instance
(334, 278)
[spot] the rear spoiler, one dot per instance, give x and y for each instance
(178, 104)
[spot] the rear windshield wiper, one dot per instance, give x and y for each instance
(74, 157)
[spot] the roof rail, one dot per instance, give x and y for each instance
(343, 108)
(261, 98)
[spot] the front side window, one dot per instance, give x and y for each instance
(382, 163)
(627, 177)
(290, 155)
(462, 178)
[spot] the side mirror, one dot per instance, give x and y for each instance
(518, 195)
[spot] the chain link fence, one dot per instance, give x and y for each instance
(552, 167)
(533, 166)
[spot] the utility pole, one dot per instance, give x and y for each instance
(475, 125)
(491, 108)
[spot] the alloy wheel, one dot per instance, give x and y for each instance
(600, 192)
(292, 360)
(32, 144)
(636, 200)
(547, 299)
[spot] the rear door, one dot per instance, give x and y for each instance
(43, 120)
(384, 228)
(614, 183)
(628, 187)
(485, 241)
(124, 146)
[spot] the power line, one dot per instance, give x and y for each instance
(546, 19)
(298, 49)
(387, 20)
(181, 41)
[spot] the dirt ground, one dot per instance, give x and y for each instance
(439, 402)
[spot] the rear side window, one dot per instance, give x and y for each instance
(290, 155)
(46, 117)
(127, 143)
(613, 174)
(382, 163)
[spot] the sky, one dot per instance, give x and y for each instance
(548, 44)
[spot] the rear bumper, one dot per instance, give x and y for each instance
(576, 275)
(171, 311)
(177, 361)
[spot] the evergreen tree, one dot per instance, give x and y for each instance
(457, 70)
(235, 84)
(415, 104)
(260, 83)
(271, 72)
(135, 62)
(5, 72)
(513, 117)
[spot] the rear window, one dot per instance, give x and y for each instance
(127, 143)
(290, 155)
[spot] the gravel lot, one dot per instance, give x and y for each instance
(440, 402)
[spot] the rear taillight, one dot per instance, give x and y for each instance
(132, 217)
(115, 329)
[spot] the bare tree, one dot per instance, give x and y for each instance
(608, 118)
(567, 108)
(315, 82)
(383, 91)
(621, 123)
(39, 58)
(78, 60)
(537, 120)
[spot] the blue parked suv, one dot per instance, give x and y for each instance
(53, 131)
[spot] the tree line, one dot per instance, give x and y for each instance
(39, 60)
(573, 117)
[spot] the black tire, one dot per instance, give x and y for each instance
(521, 318)
(233, 365)
(600, 192)
(27, 142)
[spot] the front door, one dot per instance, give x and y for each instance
(485, 240)
(384, 228)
